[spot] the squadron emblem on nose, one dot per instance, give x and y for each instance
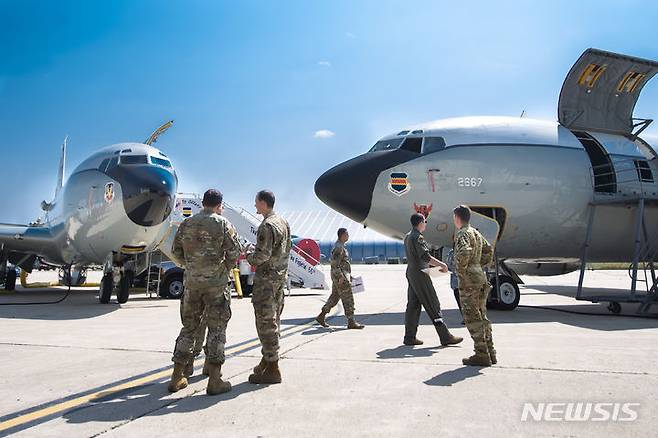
(424, 209)
(399, 183)
(109, 192)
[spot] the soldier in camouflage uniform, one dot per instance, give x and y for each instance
(207, 245)
(270, 258)
(472, 252)
(199, 336)
(341, 283)
(421, 290)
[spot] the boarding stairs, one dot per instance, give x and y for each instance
(626, 186)
(301, 272)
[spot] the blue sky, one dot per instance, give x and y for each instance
(250, 83)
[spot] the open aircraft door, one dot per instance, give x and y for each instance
(488, 227)
(601, 90)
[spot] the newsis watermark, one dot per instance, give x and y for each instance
(580, 411)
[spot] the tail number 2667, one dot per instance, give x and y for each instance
(463, 181)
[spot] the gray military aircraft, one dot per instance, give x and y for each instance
(552, 195)
(116, 204)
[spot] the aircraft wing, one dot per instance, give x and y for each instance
(601, 90)
(23, 242)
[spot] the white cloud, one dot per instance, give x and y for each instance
(349, 35)
(324, 63)
(323, 133)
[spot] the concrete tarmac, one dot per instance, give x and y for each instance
(83, 369)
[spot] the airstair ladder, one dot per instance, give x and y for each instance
(300, 272)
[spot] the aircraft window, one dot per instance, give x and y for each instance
(643, 171)
(403, 132)
(417, 131)
(433, 144)
(386, 145)
(160, 162)
(412, 144)
(126, 151)
(134, 159)
(113, 163)
(103, 164)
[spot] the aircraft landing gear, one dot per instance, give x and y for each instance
(10, 279)
(77, 277)
(8, 274)
(118, 274)
(106, 288)
(504, 294)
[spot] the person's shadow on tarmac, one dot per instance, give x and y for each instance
(450, 377)
(154, 400)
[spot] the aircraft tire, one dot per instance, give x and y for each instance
(10, 279)
(173, 287)
(508, 293)
(124, 287)
(105, 292)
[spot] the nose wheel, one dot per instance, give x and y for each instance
(117, 278)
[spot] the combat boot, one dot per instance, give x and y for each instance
(320, 319)
(414, 341)
(271, 374)
(445, 336)
(492, 355)
(478, 360)
(189, 369)
(258, 369)
(178, 380)
(206, 367)
(352, 324)
(215, 383)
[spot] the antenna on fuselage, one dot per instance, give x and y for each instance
(154, 137)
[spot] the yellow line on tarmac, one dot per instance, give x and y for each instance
(78, 401)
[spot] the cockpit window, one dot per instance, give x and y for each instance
(403, 132)
(113, 163)
(134, 159)
(412, 144)
(160, 161)
(386, 145)
(103, 165)
(433, 144)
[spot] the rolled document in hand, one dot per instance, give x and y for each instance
(433, 272)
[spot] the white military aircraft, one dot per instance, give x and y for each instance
(551, 195)
(117, 203)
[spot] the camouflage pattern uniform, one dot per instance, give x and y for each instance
(207, 245)
(341, 286)
(472, 252)
(199, 335)
(270, 258)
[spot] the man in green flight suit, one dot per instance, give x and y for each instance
(421, 290)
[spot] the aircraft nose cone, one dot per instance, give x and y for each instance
(148, 195)
(347, 188)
